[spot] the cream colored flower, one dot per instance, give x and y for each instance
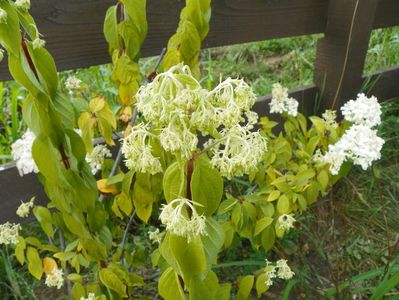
(177, 220)
(55, 279)
(24, 209)
(9, 233)
(23, 4)
(38, 43)
(286, 222)
(284, 271)
(3, 16)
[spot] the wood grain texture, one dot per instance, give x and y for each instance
(342, 52)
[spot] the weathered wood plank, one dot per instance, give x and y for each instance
(73, 29)
(384, 84)
(342, 52)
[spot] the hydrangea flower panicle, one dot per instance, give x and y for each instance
(21, 151)
(9, 233)
(363, 111)
(284, 271)
(96, 158)
(281, 102)
(55, 278)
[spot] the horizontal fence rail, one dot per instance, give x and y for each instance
(73, 31)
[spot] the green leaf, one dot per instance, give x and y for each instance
(78, 291)
(85, 123)
(385, 286)
(112, 281)
(110, 28)
(322, 178)
(206, 186)
(143, 196)
(190, 257)
(204, 289)
(10, 35)
(76, 224)
(245, 287)
(213, 241)
(35, 266)
(223, 292)
(273, 196)
(283, 204)
(124, 203)
(261, 286)
(20, 250)
(268, 238)
(262, 224)
(169, 286)
(174, 182)
(43, 216)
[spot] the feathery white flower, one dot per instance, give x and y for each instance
(330, 117)
(156, 236)
(286, 222)
(3, 16)
(175, 217)
(178, 139)
(9, 233)
(25, 207)
(72, 83)
(21, 151)
(38, 43)
(335, 157)
(90, 296)
(270, 273)
(138, 151)
(23, 4)
(238, 151)
(363, 111)
(55, 279)
(284, 271)
(281, 102)
(96, 158)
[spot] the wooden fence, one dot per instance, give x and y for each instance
(73, 31)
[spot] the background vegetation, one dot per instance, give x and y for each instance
(347, 246)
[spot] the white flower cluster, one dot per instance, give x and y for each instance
(38, 43)
(281, 102)
(177, 108)
(286, 222)
(137, 150)
(23, 4)
(363, 111)
(330, 117)
(90, 296)
(156, 236)
(96, 158)
(72, 83)
(25, 207)
(280, 270)
(21, 151)
(3, 16)
(238, 151)
(181, 218)
(360, 142)
(9, 233)
(55, 279)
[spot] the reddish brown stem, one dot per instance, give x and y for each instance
(29, 59)
(64, 158)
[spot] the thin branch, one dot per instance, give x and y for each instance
(124, 237)
(118, 158)
(66, 270)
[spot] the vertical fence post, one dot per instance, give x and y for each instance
(341, 53)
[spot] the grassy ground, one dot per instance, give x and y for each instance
(352, 230)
